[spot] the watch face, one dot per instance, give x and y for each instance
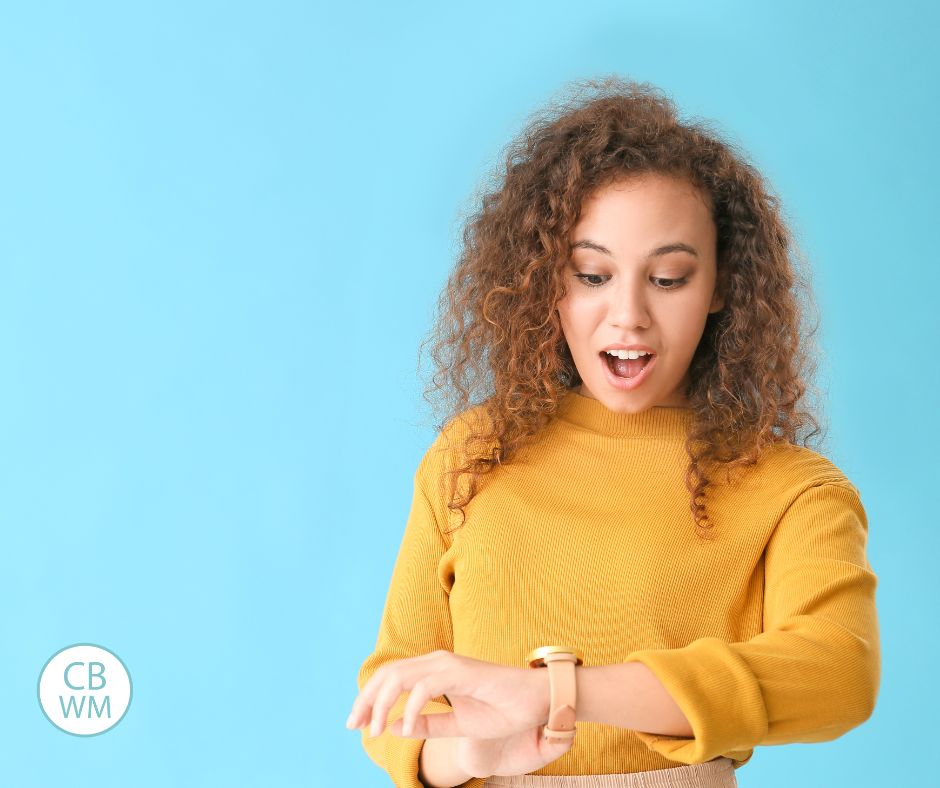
(536, 657)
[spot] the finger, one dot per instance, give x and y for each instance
(419, 695)
(439, 725)
(417, 699)
(428, 726)
(403, 680)
(361, 711)
(363, 706)
(397, 680)
(388, 693)
(423, 690)
(363, 701)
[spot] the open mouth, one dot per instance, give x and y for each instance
(626, 367)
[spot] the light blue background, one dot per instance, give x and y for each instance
(223, 227)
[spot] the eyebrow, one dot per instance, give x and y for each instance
(659, 251)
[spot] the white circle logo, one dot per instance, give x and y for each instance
(84, 689)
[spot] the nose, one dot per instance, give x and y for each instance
(628, 307)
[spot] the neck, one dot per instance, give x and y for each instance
(592, 414)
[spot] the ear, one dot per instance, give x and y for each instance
(718, 302)
(718, 295)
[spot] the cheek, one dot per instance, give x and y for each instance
(574, 328)
(580, 311)
(568, 314)
(684, 320)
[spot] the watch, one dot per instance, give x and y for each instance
(561, 662)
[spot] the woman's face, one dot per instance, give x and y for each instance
(621, 290)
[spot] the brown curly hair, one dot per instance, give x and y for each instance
(497, 328)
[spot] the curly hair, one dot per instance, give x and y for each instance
(497, 331)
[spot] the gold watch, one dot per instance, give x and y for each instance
(561, 662)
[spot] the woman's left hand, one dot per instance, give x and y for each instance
(489, 700)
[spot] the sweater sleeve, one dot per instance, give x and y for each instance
(415, 621)
(814, 671)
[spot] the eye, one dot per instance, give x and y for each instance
(672, 284)
(584, 279)
(662, 284)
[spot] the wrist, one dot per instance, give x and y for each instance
(437, 763)
(560, 663)
(544, 693)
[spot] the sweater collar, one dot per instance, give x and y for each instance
(592, 414)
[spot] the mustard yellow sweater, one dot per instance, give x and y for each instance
(766, 635)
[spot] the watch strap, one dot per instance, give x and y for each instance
(563, 689)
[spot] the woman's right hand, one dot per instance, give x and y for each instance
(519, 753)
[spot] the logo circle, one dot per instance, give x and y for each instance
(84, 689)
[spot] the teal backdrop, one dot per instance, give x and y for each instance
(223, 228)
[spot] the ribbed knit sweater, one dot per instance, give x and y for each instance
(767, 634)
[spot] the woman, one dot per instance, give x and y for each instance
(632, 484)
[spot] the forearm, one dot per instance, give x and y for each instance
(628, 695)
(437, 764)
